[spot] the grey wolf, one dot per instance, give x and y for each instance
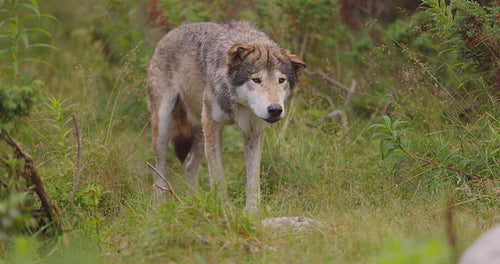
(204, 76)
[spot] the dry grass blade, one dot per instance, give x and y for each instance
(79, 163)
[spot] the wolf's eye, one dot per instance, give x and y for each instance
(281, 80)
(256, 80)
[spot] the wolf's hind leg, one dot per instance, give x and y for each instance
(161, 134)
(193, 160)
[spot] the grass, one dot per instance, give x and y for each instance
(365, 211)
(370, 213)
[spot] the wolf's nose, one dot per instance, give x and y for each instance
(274, 110)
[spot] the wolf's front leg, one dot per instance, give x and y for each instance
(253, 152)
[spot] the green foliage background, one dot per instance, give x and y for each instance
(415, 65)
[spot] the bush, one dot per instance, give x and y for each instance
(17, 101)
(474, 31)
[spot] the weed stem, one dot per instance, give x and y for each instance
(471, 176)
(169, 189)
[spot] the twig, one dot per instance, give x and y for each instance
(327, 98)
(340, 114)
(327, 78)
(437, 164)
(388, 102)
(160, 187)
(303, 45)
(386, 106)
(350, 93)
(79, 163)
(169, 189)
(348, 99)
(49, 206)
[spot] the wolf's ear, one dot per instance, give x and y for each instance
(237, 54)
(297, 62)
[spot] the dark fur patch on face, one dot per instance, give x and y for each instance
(239, 74)
(287, 68)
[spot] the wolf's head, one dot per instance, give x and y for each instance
(263, 77)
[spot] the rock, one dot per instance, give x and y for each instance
(294, 222)
(485, 250)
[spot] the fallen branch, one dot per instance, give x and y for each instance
(169, 189)
(349, 90)
(327, 98)
(32, 177)
(340, 114)
(327, 78)
(336, 112)
(350, 93)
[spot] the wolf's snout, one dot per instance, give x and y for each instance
(274, 110)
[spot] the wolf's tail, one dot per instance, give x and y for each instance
(182, 131)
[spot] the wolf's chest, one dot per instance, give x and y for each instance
(219, 115)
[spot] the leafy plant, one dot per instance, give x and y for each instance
(393, 138)
(16, 101)
(13, 214)
(59, 122)
(24, 250)
(474, 31)
(18, 93)
(439, 10)
(18, 38)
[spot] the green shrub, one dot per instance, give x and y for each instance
(15, 216)
(17, 101)
(18, 36)
(475, 32)
(18, 94)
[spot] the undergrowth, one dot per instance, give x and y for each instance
(376, 203)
